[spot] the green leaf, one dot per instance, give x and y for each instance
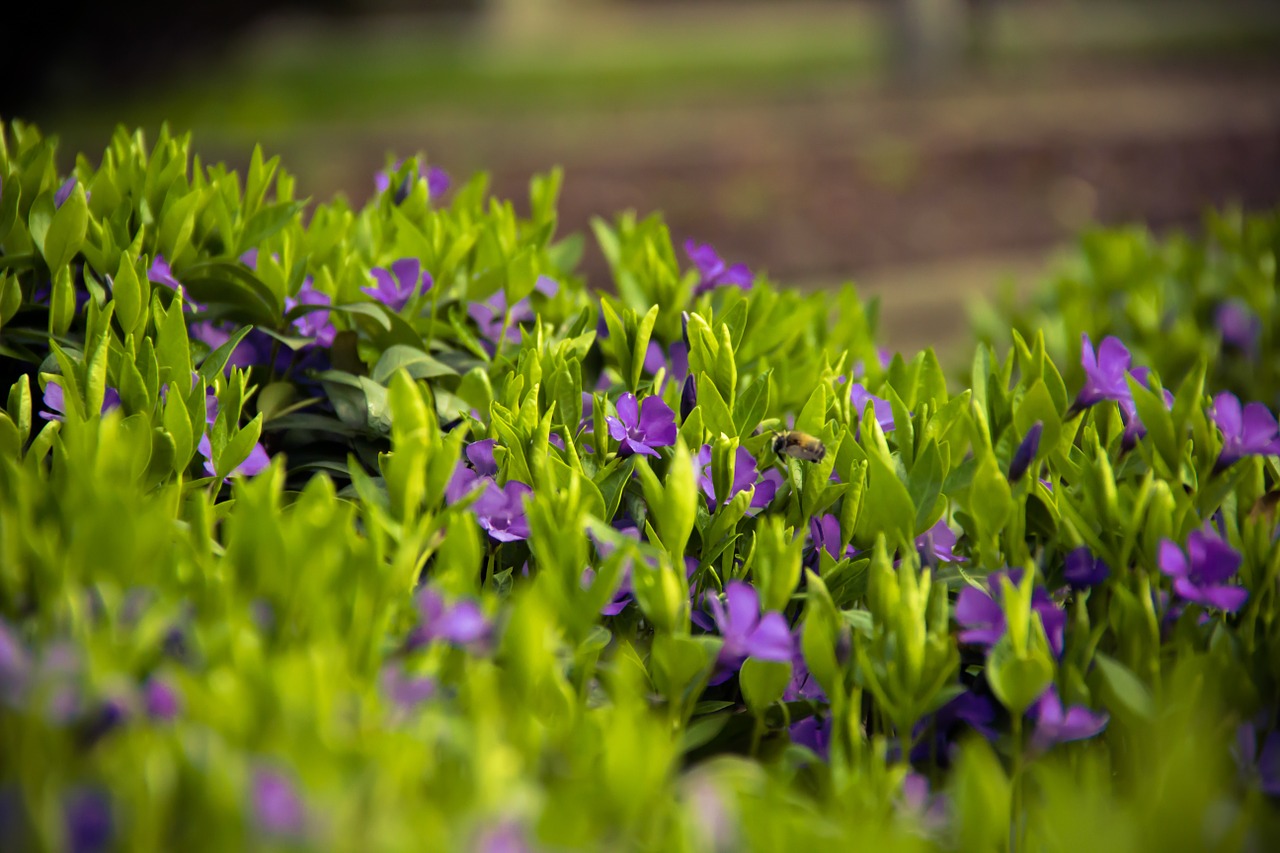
(763, 682)
(238, 448)
(266, 222)
(215, 361)
(66, 230)
(1018, 681)
(1123, 691)
(640, 348)
(414, 361)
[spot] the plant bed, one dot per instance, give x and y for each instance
(375, 528)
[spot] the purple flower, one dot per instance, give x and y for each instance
(883, 410)
(313, 324)
(1133, 426)
(937, 545)
(56, 403)
(1244, 433)
(1238, 325)
(927, 809)
(824, 535)
(1056, 724)
(814, 733)
(160, 273)
(462, 623)
(712, 270)
(64, 192)
(500, 511)
(1200, 575)
(161, 699)
(481, 468)
(1262, 767)
(397, 285)
(747, 632)
(745, 476)
(624, 594)
(1104, 372)
(936, 736)
(1083, 570)
(641, 428)
(87, 820)
(276, 804)
(14, 665)
(404, 690)
(506, 837)
(982, 617)
(255, 463)
(438, 182)
(490, 316)
(859, 367)
(688, 398)
(1026, 452)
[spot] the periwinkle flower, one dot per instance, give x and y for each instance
(824, 535)
(405, 690)
(1083, 570)
(1134, 429)
(814, 733)
(506, 837)
(400, 283)
(1200, 574)
(937, 545)
(500, 511)
(1026, 452)
(624, 594)
(746, 631)
(492, 316)
(87, 820)
(1104, 372)
(1248, 432)
(937, 736)
(713, 272)
(313, 324)
(640, 428)
(64, 192)
(277, 807)
(56, 402)
(1238, 325)
(1058, 724)
(688, 398)
(461, 623)
(745, 476)
(1260, 766)
(927, 809)
(982, 618)
(161, 699)
(255, 463)
(882, 409)
(476, 470)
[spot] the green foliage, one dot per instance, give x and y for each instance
(297, 553)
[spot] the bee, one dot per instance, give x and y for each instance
(799, 445)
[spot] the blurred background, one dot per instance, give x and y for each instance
(928, 150)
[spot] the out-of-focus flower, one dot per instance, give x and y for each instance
(746, 631)
(255, 463)
(982, 618)
(276, 804)
(397, 285)
(477, 469)
(1084, 570)
(1057, 724)
(813, 732)
(1134, 429)
(1026, 452)
(1201, 573)
(161, 699)
(406, 691)
(506, 837)
(64, 192)
(1248, 432)
(926, 809)
(313, 324)
(56, 402)
(438, 182)
(1259, 766)
(713, 272)
(492, 315)
(14, 665)
(937, 736)
(640, 428)
(745, 476)
(1238, 325)
(461, 623)
(87, 820)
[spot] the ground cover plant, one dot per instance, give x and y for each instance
(363, 528)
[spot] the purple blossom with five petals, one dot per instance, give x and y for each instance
(500, 511)
(276, 804)
(56, 402)
(477, 469)
(713, 272)
(982, 618)
(1200, 574)
(400, 283)
(1250, 432)
(746, 631)
(1083, 570)
(1104, 372)
(1238, 325)
(640, 428)
(1058, 724)
(745, 476)
(313, 324)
